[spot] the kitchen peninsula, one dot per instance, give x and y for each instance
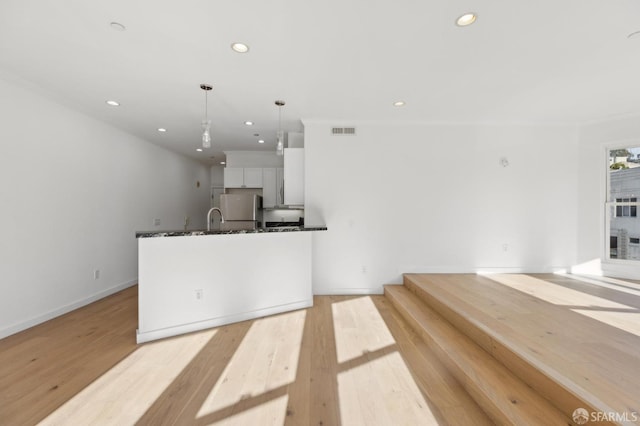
(192, 280)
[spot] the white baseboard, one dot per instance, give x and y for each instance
(16, 328)
(332, 290)
(481, 269)
(358, 291)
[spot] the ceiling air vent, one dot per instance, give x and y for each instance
(343, 131)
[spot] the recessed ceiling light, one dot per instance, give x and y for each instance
(199, 149)
(398, 103)
(117, 26)
(466, 19)
(249, 123)
(240, 47)
(260, 140)
(112, 103)
(223, 162)
(162, 129)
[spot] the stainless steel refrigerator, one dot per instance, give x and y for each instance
(241, 211)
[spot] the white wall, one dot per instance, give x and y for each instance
(295, 140)
(394, 201)
(594, 140)
(217, 176)
(74, 191)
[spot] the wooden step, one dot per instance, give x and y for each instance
(449, 401)
(503, 396)
(570, 359)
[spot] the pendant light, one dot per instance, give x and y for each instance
(280, 142)
(206, 123)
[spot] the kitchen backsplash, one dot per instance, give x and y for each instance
(282, 215)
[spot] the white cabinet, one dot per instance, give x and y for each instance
(272, 187)
(294, 176)
(233, 177)
(253, 177)
(239, 177)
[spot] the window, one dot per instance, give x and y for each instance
(629, 211)
(623, 191)
(613, 247)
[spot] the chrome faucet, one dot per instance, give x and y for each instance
(209, 217)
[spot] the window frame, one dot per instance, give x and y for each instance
(611, 207)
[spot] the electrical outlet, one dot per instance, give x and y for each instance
(505, 247)
(96, 274)
(199, 294)
(156, 222)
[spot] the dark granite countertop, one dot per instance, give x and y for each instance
(150, 234)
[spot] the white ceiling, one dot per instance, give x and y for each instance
(344, 60)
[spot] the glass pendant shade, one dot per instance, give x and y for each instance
(280, 134)
(280, 144)
(206, 134)
(206, 123)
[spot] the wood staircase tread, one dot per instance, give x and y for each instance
(516, 303)
(436, 382)
(503, 396)
(536, 338)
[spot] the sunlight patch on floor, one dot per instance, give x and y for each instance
(382, 392)
(270, 413)
(266, 359)
(358, 328)
(627, 321)
(125, 392)
(554, 293)
(615, 314)
(611, 283)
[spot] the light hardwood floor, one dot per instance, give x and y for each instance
(342, 362)
(583, 333)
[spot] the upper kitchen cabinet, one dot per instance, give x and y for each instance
(233, 177)
(294, 176)
(243, 177)
(253, 177)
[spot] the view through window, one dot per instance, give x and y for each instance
(622, 203)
